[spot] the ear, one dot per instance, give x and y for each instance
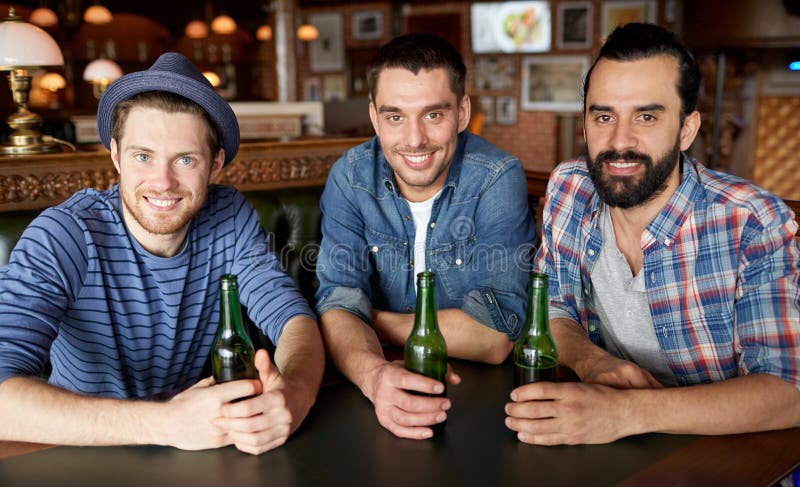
(691, 125)
(114, 149)
(217, 164)
(464, 111)
(373, 116)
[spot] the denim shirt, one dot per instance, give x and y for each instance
(480, 240)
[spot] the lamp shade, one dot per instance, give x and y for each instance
(264, 33)
(24, 45)
(98, 15)
(101, 70)
(196, 29)
(52, 82)
(307, 32)
(223, 24)
(44, 17)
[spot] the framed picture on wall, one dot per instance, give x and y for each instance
(616, 13)
(574, 25)
(494, 73)
(312, 88)
(367, 25)
(334, 87)
(326, 53)
(487, 108)
(553, 83)
(506, 110)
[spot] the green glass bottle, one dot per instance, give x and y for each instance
(232, 356)
(535, 353)
(426, 351)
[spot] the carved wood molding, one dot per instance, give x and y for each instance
(36, 182)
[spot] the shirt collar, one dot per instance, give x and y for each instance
(668, 223)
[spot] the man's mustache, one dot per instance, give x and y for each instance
(627, 156)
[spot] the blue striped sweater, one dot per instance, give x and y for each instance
(118, 321)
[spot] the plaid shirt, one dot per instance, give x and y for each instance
(721, 266)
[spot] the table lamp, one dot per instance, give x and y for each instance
(100, 73)
(25, 47)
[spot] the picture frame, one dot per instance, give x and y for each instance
(312, 88)
(510, 26)
(506, 112)
(367, 25)
(494, 73)
(326, 53)
(574, 25)
(553, 83)
(334, 87)
(621, 12)
(487, 108)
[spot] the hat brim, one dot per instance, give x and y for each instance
(203, 94)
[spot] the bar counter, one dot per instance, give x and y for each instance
(341, 443)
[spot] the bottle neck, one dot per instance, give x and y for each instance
(425, 319)
(537, 315)
(230, 312)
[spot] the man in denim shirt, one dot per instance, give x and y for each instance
(422, 195)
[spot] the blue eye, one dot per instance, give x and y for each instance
(185, 160)
(142, 157)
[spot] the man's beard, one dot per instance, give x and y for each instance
(627, 191)
(155, 225)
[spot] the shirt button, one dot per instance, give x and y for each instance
(591, 252)
(406, 218)
(653, 277)
(433, 224)
(592, 328)
(375, 248)
(667, 242)
(411, 263)
(458, 261)
(586, 291)
(409, 309)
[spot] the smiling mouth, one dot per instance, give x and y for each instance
(161, 202)
(623, 165)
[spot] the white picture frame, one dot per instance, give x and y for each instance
(553, 83)
(506, 110)
(326, 53)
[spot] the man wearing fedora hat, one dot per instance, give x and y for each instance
(119, 290)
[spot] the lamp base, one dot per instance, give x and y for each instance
(40, 147)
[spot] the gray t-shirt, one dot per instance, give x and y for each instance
(621, 304)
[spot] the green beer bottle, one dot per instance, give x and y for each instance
(535, 354)
(232, 356)
(426, 351)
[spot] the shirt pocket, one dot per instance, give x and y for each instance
(387, 254)
(453, 264)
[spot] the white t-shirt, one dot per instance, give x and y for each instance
(421, 212)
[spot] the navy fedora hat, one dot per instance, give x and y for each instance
(174, 73)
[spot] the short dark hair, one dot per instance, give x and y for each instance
(415, 52)
(167, 102)
(635, 41)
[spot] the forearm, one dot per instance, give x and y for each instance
(755, 402)
(34, 411)
(466, 338)
(575, 350)
(352, 346)
(300, 355)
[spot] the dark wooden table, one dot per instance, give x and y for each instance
(341, 443)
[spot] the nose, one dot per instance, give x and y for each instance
(623, 137)
(416, 135)
(163, 177)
